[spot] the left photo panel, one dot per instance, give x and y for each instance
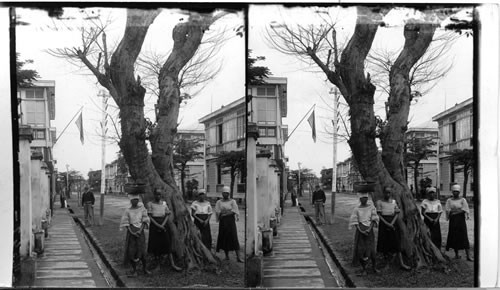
(131, 130)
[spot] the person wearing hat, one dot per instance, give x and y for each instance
(364, 218)
(135, 219)
(88, 201)
(431, 210)
(159, 242)
(457, 211)
(226, 214)
(201, 210)
(389, 237)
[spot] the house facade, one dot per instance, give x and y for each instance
(225, 131)
(347, 175)
(428, 168)
(36, 110)
(455, 126)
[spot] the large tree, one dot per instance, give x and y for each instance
(25, 77)
(116, 73)
(346, 70)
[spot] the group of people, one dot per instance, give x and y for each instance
(155, 217)
(385, 215)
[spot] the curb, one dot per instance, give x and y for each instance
(119, 277)
(345, 273)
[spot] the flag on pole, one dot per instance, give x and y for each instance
(79, 124)
(312, 122)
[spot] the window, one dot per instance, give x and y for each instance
(266, 91)
(262, 132)
(34, 93)
(39, 134)
(266, 110)
(219, 174)
(219, 134)
(240, 127)
(453, 132)
(271, 132)
(452, 172)
(35, 112)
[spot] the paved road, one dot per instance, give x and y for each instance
(67, 260)
(296, 260)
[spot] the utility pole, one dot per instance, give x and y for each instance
(67, 193)
(334, 167)
(103, 154)
(299, 187)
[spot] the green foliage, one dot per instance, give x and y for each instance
(465, 158)
(419, 148)
(25, 77)
(186, 150)
(326, 177)
(256, 74)
(235, 161)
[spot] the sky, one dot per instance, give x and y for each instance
(76, 87)
(307, 87)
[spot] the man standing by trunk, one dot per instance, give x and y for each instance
(319, 199)
(88, 201)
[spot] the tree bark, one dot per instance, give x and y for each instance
(183, 179)
(415, 179)
(233, 177)
(466, 180)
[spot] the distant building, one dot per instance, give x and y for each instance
(347, 175)
(95, 180)
(224, 131)
(455, 132)
(111, 175)
(428, 167)
(195, 168)
(36, 109)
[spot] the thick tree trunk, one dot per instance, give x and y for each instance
(415, 180)
(183, 179)
(233, 178)
(466, 180)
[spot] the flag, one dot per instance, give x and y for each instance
(312, 122)
(79, 124)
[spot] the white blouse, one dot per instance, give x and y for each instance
(201, 207)
(226, 206)
(364, 215)
(433, 206)
(456, 204)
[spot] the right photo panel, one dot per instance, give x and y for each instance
(360, 148)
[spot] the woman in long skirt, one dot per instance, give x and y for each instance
(227, 213)
(364, 217)
(431, 210)
(457, 211)
(159, 243)
(135, 219)
(201, 210)
(389, 237)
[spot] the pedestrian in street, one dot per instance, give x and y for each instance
(432, 209)
(160, 237)
(201, 210)
(319, 199)
(293, 195)
(226, 214)
(135, 219)
(389, 241)
(88, 201)
(457, 211)
(364, 218)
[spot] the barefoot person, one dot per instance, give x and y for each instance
(364, 218)
(201, 210)
(135, 219)
(431, 211)
(227, 213)
(159, 243)
(389, 241)
(457, 211)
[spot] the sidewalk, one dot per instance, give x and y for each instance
(296, 260)
(67, 260)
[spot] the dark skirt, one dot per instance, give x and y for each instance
(389, 240)
(364, 247)
(135, 247)
(435, 229)
(206, 234)
(159, 240)
(228, 236)
(457, 233)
